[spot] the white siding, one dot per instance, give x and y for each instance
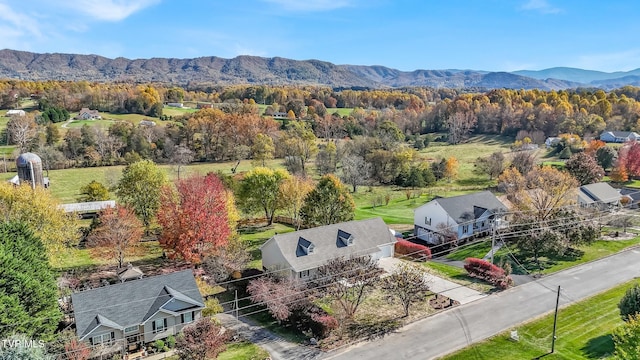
(428, 217)
(272, 258)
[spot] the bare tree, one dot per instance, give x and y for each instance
(355, 171)
(347, 281)
(118, 230)
(407, 284)
(281, 297)
(492, 165)
(623, 221)
(21, 130)
(181, 157)
(524, 161)
(460, 125)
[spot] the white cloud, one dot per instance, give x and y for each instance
(20, 23)
(109, 10)
(541, 6)
(310, 5)
(609, 62)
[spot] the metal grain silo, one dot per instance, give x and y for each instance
(30, 169)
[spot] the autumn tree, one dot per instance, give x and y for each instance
(355, 170)
(41, 212)
(293, 191)
(584, 168)
(492, 165)
(545, 222)
(347, 281)
(407, 284)
(451, 169)
(619, 173)
(259, 191)
(94, 191)
(262, 149)
(139, 189)
(299, 145)
(194, 218)
(28, 292)
(328, 203)
(511, 181)
(118, 231)
(524, 161)
(181, 156)
(281, 296)
(460, 124)
(327, 159)
(75, 349)
(201, 340)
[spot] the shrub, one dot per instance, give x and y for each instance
(488, 272)
(412, 250)
(159, 345)
(171, 342)
(630, 303)
(325, 324)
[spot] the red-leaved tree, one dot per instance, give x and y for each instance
(118, 230)
(194, 218)
(201, 340)
(281, 297)
(487, 271)
(76, 350)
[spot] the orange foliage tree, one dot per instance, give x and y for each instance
(118, 230)
(194, 218)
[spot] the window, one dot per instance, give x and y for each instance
(103, 339)
(159, 325)
(131, 329)
(187, 317)
(465, 229)
(303, 274)
(427, 220)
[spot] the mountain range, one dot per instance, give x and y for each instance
(281, 71)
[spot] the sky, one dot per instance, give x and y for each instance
(491, 35)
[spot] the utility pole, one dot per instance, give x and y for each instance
(555, 322)
(235, 304)
(493, 238)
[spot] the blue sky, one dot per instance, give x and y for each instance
(494, 35)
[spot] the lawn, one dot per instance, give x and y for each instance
(243, 351)
(82, 258)
(584, 332)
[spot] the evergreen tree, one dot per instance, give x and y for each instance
(28, 293)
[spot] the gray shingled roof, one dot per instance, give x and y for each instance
(601, 192)
(133, 302)
(471, 206)
(621, 134)
(367, 236)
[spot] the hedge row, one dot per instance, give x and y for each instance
(488, 272)
(412, 250)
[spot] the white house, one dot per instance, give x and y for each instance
(619, 136)
(552, 140)
(175, 104)
(86, 114)
(133, 313)
(298, 254)
(463, 216)
(15, 112)
(600, 195)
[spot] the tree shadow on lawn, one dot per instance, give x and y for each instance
(598, 347)
(526, 264)
(371, 329)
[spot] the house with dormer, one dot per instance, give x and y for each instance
(298, 254)
(131, 314)
(87, 114)
(461, 217)
(619, 136)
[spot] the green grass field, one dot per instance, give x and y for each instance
(584, 332)
(243, 351)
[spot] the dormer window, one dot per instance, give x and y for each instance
(306, 246)
(345, 238)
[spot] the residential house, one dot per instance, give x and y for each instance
(147, 123)
(551, 141)
(600, 195)
(298, 254)
(461, 216)
(133, 313)
(15, 112)
(619, 136)
(631, 197)
(86, 114)
(175, 104)
(280, 115)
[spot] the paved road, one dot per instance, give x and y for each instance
(454, 329)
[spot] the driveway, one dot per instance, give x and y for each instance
(454, 329)
(439, 285)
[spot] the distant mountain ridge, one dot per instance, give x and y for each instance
(281, 71)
